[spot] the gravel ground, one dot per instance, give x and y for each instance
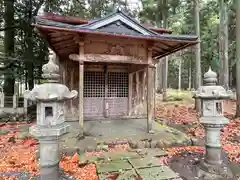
(186, 164)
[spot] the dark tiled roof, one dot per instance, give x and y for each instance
(116, 24)
(44, 22)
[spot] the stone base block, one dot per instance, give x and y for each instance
(53, 173)
(62, 177)
(214, 172)
(41, 132)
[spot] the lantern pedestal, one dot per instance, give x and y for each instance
(213, 120)
(213, 167)
(51, 125)
(214, 172)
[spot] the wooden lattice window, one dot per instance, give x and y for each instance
(117, 84)
(94, 84)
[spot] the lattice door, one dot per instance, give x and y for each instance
(94, 91)
(117, 96)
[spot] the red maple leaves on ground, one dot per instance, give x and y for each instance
(185, 114)
(20, 154)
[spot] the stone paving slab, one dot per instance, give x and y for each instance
(113, 166)
(113, 156)
(145, 162)
(103, 176)
(18, 175)
(159, 173)
(121, 155)
(128, 175)
(125, 175)
(91, 159)
(155, 152)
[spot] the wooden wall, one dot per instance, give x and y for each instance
(138, 86)
(137, 81)
(115, 46)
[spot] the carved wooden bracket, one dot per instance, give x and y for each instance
(78, 39)
(116, 49)
(76, 57)
(152, 66)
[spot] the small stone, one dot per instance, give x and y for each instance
(146, 144)
(104, 148)
(90, 149)
(140, 144)
(196, 159)
(98, 148)
(160, 144)
(133, 144)
(151, 132)
(153, 144)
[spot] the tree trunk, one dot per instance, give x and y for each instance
(179, 74)
(190, 75)
(223, 44)
(226, 64)
(165, 60)
(29, 50)
(238, 57)
(198, 54)
(159, 77)
(159, 68)
(9, 79)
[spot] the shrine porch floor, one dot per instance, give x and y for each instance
(132, 131)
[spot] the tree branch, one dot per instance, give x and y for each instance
(38, 6)
(10, 28)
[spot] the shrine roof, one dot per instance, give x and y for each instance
(115, 24)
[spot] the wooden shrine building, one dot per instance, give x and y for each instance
(111, 63)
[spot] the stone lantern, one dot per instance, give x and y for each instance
(50, 126)
(213, 120)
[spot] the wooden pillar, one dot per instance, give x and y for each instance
(130, 89)
(150, 91)
(72, 87)
(81, 73)
(62, 66)
(2, 98)
(137, 88)
(106, 105)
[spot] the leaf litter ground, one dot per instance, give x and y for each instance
(19, 154)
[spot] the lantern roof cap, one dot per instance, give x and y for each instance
(50, 90)
(210, 77)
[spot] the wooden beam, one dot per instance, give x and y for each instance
(137, 68)
(77, 38)
(173, 50)
(63, 46)
(69, 41)
(67, 51)
(61, 38)
(57, 33)
(108, 58)
(169, 45)
(161, 48)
